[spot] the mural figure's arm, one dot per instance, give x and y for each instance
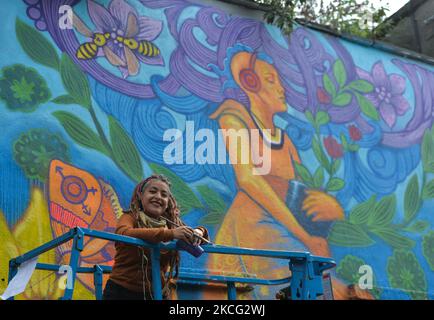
(258, 189)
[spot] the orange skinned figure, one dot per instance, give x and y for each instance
(259, 216)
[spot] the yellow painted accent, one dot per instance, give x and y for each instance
(8, 250)
(32, 230)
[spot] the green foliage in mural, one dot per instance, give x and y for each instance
(428, 248)
(121, 149)
(37, 47)
(80, 132)
(324, 175)
(428, 151)
(405, 273)
(64, 99)
(343, 94)
(335, 184)
(34, 150)
(367, 107)
(428, 190)
(412, 199)
(184, 195)
(376, 218)
(372, 218)
(344, 233)
(22, 88)
(75, 82)
(125, 153)
(348, 270)
(215, 206)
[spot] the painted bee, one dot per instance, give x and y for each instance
(145, 48)
(131, 47)
(89, 50)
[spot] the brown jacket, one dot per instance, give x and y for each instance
(129, 263)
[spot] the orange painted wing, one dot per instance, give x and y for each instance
(77, 198)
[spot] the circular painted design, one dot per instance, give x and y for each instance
(74, 190)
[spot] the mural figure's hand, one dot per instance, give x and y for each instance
(322, 206)
(318, 246)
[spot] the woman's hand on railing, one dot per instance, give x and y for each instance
(184, 233)
(198, 234)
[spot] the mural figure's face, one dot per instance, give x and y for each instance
(155, 198)
(272, 92)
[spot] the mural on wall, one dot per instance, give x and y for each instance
(89, 95)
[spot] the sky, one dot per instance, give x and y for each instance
(393, 5)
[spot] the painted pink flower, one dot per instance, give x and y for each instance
(355, 133)
(122, 20)
(387, 95)
(334, 148)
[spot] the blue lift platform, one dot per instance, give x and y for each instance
(305, 283)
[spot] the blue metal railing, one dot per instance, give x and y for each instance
(306, 270)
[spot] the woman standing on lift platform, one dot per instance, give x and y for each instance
(152, 207)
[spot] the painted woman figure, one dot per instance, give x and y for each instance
(259, 216)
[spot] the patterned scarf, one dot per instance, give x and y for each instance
(146, 221)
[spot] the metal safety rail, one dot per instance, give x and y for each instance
(305, 281)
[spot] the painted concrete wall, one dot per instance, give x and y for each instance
(88, 111)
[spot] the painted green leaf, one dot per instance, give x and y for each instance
(360, 213)
(64, 99)
(216, 206)
(185, 197)
(335, 167)
(384, 212)
(428, 152)
(342, 99)
(412, 200)
(309, 117)
(125, 153)
(80, 132)
(320, 154)
(428, 248)
(329, 85)
(212, 199)
(353, 147)
(36, 46)
(335, 184)
(348, 269)
(362, 86)
(212, 219)
(75, 81)
(344, 141)
(405, 273)
(418, 226)
(322, 118)
(393, 238)
(318, 178)
(346, 234)
(304, 173)
(367, 107)
(340, 73)
(428, 190)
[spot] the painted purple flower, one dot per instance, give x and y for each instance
(121, 31)
(387, 95)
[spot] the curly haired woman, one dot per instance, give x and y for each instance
(152, 209)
